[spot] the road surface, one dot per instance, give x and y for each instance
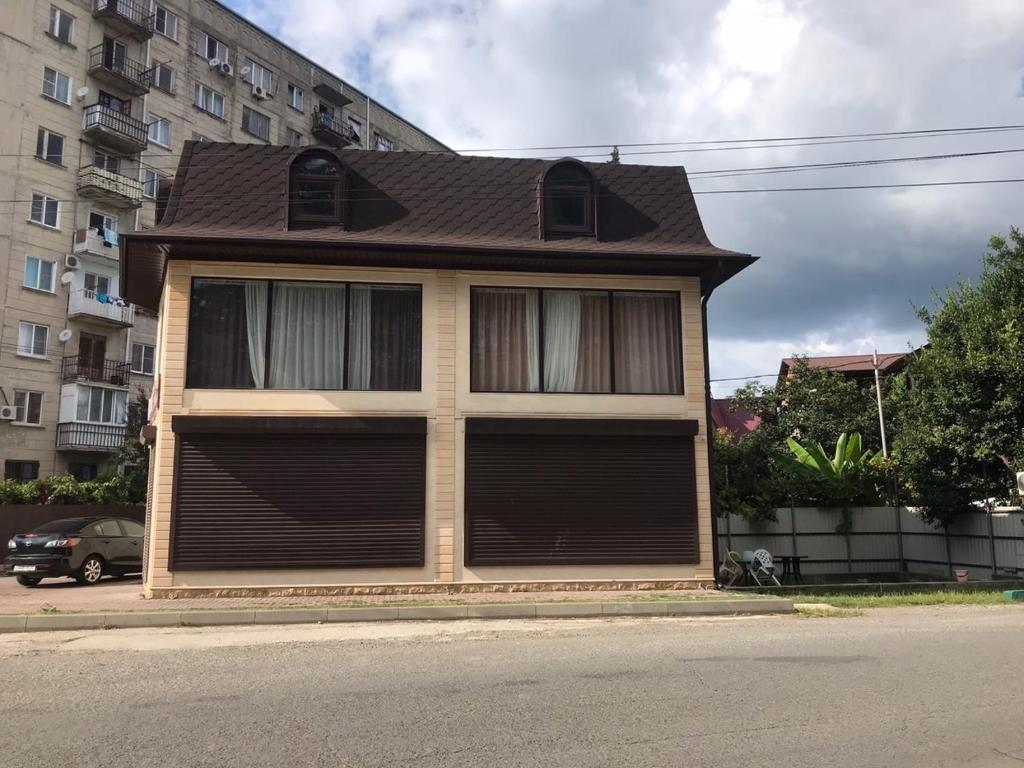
(896, 687)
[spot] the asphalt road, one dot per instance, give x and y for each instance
(913, 687)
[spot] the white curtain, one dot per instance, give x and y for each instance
(256, 329)
(533, 339)
(360, 336)
(307, 337)
(561, 340)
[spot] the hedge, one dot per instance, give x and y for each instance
(65, 489)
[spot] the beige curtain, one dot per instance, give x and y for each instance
(648, 346)
(593, 363)
(504, 355)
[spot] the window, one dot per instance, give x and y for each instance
(321, 335)
(21, 470)
(45, 210)
(56, 85)
(293, 138)
(50, 147)
(101, 405)
(159, 130)
(256, 123)
(150, 183)
(548, 340)
(32, 339)
(62, 25)
(209, 100)
(142, 359)
(384, 144)
(166, 23)
(357, 128)
(28, 406)
(209, 47)
(109, 528)
(315, 191)
(39, 273)
(83, 472)
(260, 77)
(102, 221)
(114, 103)
(106, 161)
(568, 200)
(295, 96)
(132, 528)
(97, 283)
(163, 77)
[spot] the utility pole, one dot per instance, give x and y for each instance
(878, 395)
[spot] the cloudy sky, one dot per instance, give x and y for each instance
(839, 270)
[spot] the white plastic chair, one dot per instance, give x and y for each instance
(730, 570)
(762, 567)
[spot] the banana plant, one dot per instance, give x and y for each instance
(850, 459)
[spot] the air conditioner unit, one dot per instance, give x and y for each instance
(260, 92)
(72, 262)
(214, 63)
(226, 69)
(8, 413)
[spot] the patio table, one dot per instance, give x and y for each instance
(790, 567)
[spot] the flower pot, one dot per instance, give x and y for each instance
(961, 575)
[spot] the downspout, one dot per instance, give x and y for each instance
(366, 139)
(707, 417)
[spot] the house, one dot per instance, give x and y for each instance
(859, 368)
(736, 421)
(418, 369)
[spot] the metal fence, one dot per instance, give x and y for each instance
(884, 540)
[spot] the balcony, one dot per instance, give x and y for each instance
(81, 368)
(85, 303)
(112, 188)
(109, 65)
(130, 17)
(330, 130)
(115, 130)
(80, 436)
(90, 241)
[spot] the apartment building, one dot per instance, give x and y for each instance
(98, 98)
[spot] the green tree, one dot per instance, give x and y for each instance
(615, 155)
(134, 456)
(958, 407)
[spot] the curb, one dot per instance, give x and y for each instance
(316, 615)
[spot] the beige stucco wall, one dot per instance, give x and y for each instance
(445, 401)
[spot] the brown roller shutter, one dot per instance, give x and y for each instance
(298, 493)
(547, 492)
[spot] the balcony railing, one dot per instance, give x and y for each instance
(99, 183)
(331, 130)
(82, 368)
(115, 128)
(130, 16)
(79, 436)
(106, 63)
(91, 241)
(86, 301)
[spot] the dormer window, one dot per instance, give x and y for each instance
(568, 200)
(316, 190)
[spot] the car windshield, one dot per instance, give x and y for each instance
(67, 525)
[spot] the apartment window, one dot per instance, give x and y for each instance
(330, 336)
(102, 221)
(21, 470)
(315, 189)
(39, 273)
(100, 405)
(142, 359)
(568, 200)
(547, 340)
(163, 77)
(256, 123)
(209, 100)
(209, 47)
(384, 144)
(295, 97)
(97, 283)
(357, 128)
(28, 407)
(293, 138)
(32, 339)
(260, 77)
(83, 472)
(50, 147)
(106, 161)
(166, 23)
(159, 130)
(150, 183)
(56, 85)
(62, 25)
(45, 210)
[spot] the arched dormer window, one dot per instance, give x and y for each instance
(568, 200)
(316, 187)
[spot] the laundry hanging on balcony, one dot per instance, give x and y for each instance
(107, 298)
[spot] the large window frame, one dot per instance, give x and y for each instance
(610, 292)
(299, 183)
(577, 182)
(268, 333)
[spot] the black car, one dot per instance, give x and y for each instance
(86, 548)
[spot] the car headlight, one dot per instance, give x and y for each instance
(11, 544)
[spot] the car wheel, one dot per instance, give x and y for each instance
(28, 581)
(91, 570)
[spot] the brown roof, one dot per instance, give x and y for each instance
(851, 365)
(422, 201)
(737, 421)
